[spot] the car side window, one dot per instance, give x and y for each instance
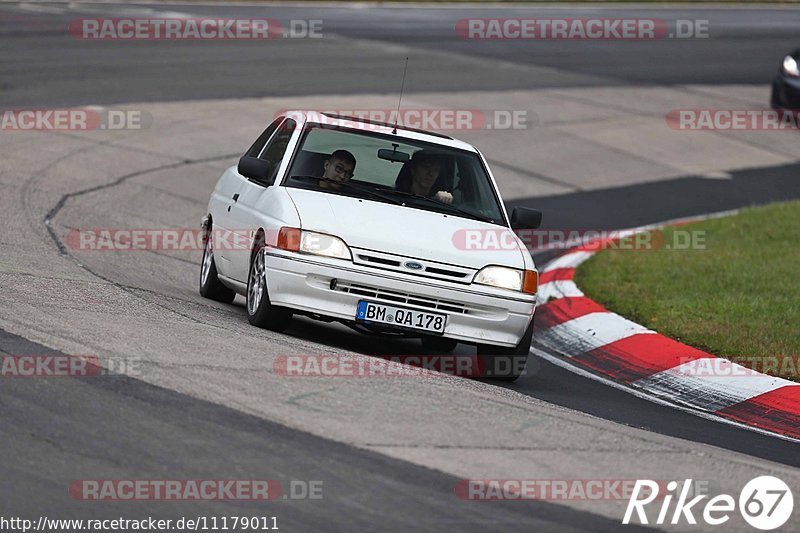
(258, 146)
(276, 148)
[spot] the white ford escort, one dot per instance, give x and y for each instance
(380, 227)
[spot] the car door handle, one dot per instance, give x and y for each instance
(236, 197)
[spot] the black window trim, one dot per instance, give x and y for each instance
(271, 137)
(264, 149)
(253, 145)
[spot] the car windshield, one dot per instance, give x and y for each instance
(390, 169)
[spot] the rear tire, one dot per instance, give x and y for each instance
(260, 312)
(210, 285)
(506, 364)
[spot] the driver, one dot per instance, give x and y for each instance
(338, 168)
(422, 175)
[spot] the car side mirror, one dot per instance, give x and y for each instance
(525, 218)
(256, 169)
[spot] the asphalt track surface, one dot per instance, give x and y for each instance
(123, 427)
(41, 63)
(157, 421)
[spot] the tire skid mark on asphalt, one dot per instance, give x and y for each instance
(48, 218)
(53, 212)
(297, 399)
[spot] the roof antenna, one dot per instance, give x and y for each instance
(402, 86)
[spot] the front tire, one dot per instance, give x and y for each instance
(439, 344)
(774, 102)
(260, 312)
(506, 364)
(210, 285)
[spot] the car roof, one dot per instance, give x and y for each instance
(358, 123)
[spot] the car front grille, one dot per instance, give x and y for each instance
(428, 269)
(406, 298)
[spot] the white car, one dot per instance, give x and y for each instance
(390, 250)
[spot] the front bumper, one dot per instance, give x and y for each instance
(304, 283)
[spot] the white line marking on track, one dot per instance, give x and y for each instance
(568, 260)
(710, 383)
(590, 331)
(562, 288)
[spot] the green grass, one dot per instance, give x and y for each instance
(739, 297)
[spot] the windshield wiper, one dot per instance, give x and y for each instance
(464, 212)
(350, 187)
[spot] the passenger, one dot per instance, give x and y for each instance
(423, 175)
(338, 168)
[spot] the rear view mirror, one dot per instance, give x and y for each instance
(393, 155)
(525, 218)
(255, 169)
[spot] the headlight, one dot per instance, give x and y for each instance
(311, 242)
(322, 244)
(496, 276)
(508, 278)
(790, 66)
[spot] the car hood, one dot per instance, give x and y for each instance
(405, 231)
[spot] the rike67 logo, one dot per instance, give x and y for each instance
(765, 502)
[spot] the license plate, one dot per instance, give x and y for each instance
(400, 317)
